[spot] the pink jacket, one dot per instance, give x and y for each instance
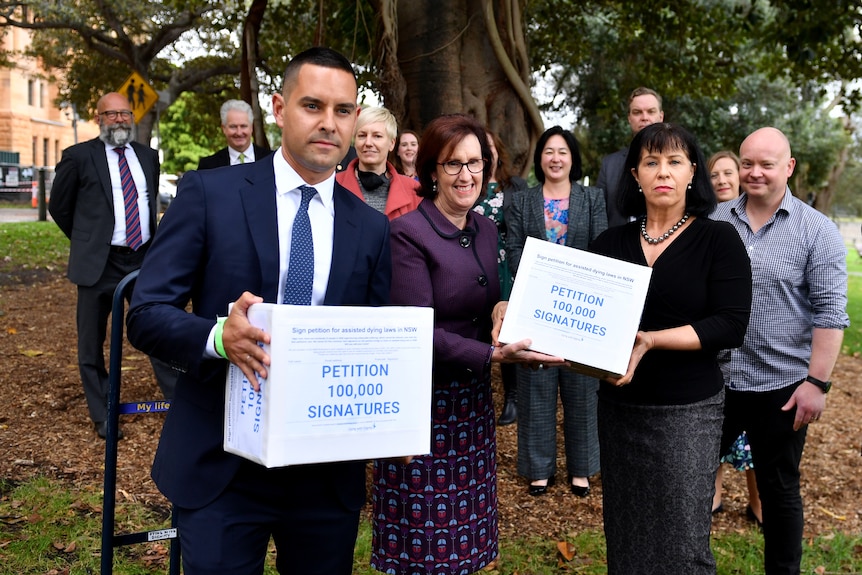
(402, 196)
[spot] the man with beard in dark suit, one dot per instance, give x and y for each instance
(104, 198)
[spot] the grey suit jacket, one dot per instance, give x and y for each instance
(82, 204)
(526, 218)
(612, 169)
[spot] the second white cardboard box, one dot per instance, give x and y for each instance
(345, 383)
(577, 305)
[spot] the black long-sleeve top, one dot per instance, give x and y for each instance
(703, 279)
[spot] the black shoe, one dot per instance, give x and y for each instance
(536, 490)
(578, 490)
(102, 430)
(718, 509)
(510, 413)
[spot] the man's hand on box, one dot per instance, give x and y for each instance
(241, 339)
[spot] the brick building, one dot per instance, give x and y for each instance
(34, 130)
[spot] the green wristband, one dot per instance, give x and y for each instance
(219, 346)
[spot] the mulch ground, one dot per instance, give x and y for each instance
(45, 430)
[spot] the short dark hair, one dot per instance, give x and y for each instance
(317, 56)
(643, 91)
(658, 138)
(574, 148)
(439, 137)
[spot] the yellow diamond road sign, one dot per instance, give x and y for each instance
(141, 95)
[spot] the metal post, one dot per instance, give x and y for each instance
(43, 208)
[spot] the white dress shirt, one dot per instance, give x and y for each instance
(321, 212)
(234, 155)
(119, 236)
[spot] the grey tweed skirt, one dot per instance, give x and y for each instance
(658, 477)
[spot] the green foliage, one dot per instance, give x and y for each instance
(191, 129)
(290, 27)
(32, 245)
(847, 194)
(723, 67)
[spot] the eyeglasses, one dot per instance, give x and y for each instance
(113, 114)
(454, 167)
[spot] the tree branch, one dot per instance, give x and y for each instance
(520, 87)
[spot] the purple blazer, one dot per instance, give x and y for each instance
(434, 264)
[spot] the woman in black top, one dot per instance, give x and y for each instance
(660, 424)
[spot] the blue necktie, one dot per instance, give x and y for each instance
(300, 268)
(130, 200)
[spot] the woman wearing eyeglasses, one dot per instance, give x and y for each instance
(438, 513)
(562, 211)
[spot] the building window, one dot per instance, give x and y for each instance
(33, 151)
(56, 151)
(31, 92)
(45, 151)
(41, 94)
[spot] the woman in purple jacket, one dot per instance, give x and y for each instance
(438, 513)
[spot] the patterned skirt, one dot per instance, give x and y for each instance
(438, 514)
(658, 478)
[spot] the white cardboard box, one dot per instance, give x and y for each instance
(345, 383)
(577, 305)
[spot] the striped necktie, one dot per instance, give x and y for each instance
(130, 201)
(300, 269)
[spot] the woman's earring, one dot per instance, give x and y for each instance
(640, 189)
(434, 187)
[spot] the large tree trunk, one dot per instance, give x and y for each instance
(447, 58)
(248, 77)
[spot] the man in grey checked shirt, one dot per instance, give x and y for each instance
(778, 380)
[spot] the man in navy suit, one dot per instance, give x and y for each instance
(88, 204)
(227, 238)
(237, 120)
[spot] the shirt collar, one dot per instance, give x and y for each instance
(234, 155)
(737, 206)
(111, 148)
(287, 180)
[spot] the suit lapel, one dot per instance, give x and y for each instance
(345, 242)
(100, 160)
(257, 194)
(537, 214)
(144, 158)
(578, 218)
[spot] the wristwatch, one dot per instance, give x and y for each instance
(824, 386)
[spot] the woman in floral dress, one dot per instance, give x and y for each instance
(494, 203)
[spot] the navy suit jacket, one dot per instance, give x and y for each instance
(82, 204)
(219, 239)
(222, 158)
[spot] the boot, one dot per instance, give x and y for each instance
(510, 387)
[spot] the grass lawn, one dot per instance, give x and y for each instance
(853, 335)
